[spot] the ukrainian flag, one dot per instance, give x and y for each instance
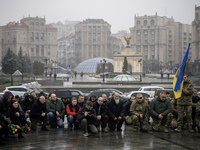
(178, 78)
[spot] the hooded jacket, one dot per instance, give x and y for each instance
(4, 104)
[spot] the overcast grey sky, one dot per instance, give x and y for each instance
(118, 13)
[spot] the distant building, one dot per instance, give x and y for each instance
(162, 41)
(37, 40)
(0, 45)
(65, 29)
(196, 40)
(66, 51)
(92, 39)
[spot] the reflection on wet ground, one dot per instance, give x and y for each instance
(127, 140)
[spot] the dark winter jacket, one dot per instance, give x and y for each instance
(37, 109)
(14, 118)
(103, 109)
(81, 104)
(187, 92)
(127, 106)
(90, 119)
(58, 106)
(157, 106)
(4, 104)
(115, 110)
(26, 104)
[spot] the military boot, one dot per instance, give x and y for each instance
(191, 130)
(165, 130)
(178, 129)
(135, 128)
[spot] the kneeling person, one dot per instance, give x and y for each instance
(72, 111)
(39, 113)
(160, 109)
(56, 111)
(88, 119)
(139, 110)
(101, 111)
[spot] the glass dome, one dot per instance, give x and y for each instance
(90, 65)
(124, 77)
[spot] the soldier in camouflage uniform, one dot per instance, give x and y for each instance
(184, 105)
(139, 110)
(160, 109)
(174, 123)
(197, 116)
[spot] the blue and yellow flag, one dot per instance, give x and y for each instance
(178, 78)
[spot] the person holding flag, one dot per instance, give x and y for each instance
(183, 91)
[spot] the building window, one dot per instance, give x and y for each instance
(36, 26)
(32, 24)
(37, 50)
(49, 53)
(42, 50)
(138, 23)
(145, 23)
(152, 22)
(48, 46)
(32, 52)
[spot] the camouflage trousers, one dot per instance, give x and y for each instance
(143, 122)
(166, 121)
(129, 120)
(174, 122)
(185, 111)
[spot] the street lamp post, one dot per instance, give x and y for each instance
(22, 68)
(46, 59)
(11, 70)
(104, 62)
(140, 61)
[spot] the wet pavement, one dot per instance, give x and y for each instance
(126, 140)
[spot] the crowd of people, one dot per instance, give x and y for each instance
(101, 114)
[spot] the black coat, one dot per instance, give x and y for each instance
(21, 121)
(90, 119)
(26, 104)
(37, 109)
(115, 110)
(103, 110)
(127, 106)
(4, 104)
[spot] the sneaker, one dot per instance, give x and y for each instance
(104, 130)
(165, 130)
(44, 129)
(85, 134)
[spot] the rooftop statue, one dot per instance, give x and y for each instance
(127, 40)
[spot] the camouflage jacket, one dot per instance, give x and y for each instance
(187, 92)
(139, 108)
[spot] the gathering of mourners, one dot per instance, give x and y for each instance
(100, 114)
